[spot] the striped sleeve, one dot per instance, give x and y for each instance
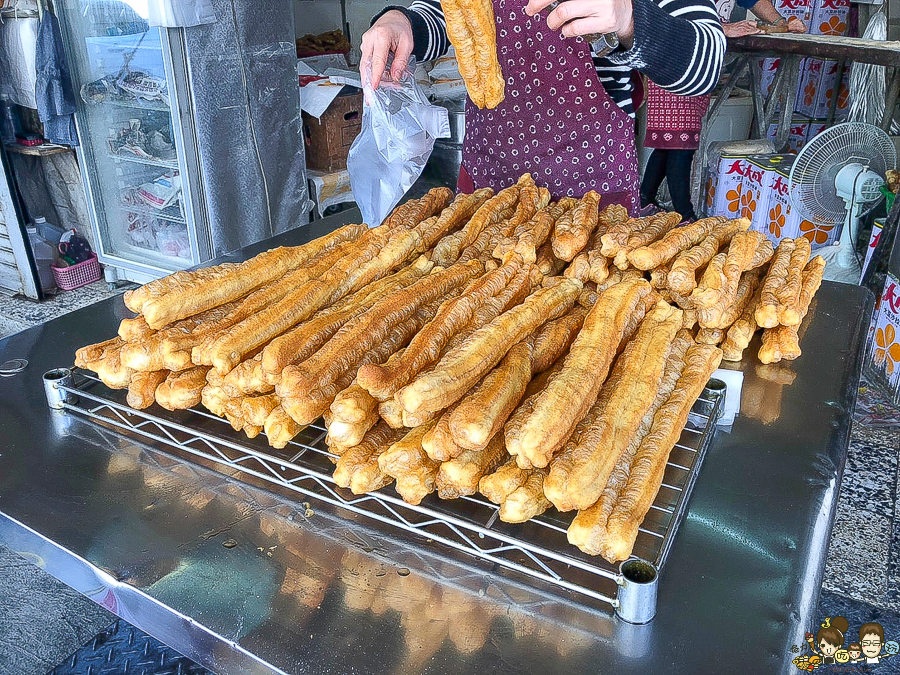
(689, 60)
(429, 28)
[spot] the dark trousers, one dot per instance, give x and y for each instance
(675, 166)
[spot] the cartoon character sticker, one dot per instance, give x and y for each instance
(826, 647)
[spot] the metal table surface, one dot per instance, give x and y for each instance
(305, 588)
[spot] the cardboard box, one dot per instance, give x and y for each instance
(725, 189)
(329, 137)
(808, 88)
(826, 91)
(768, 69)
(877, 228)
(758, 185)
(884, 351)
(797, 135)
(802, 9)
(829, 17)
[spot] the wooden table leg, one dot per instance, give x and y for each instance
(788, 90)
(759, 104)
(833, 103)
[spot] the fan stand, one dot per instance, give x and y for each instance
(840, 260)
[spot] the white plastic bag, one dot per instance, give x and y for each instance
(399, 127)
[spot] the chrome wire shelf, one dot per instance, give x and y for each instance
(538, 549)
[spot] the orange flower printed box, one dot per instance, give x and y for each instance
(884, 352)
(724, 188)
(829, 17)
(782, 220)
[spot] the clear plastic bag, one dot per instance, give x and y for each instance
(399, 127)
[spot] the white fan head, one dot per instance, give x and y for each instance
(863, 151)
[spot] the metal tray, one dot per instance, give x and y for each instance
(538, 549)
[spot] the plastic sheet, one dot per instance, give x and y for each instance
(399, 128)
(180, 13)
(18, 39)
(247, 117)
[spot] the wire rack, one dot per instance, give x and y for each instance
(538, 549)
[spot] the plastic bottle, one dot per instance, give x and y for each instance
(44, 255)
(48, 231)
(10, 125)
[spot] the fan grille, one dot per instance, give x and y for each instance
(813, 173)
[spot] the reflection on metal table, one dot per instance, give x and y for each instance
(236, 574)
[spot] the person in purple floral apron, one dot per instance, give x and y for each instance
(568, 116)
(674, 121)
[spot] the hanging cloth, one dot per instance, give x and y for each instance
(53, 90)
(180, 13)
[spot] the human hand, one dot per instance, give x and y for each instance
(582, 17)
(796, 25)
(391, 33)
(740, 28)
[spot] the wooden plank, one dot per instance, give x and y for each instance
(6, 254)
(834, 47)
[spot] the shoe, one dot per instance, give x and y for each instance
(650, 210)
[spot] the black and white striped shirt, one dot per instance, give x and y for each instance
(679, 44)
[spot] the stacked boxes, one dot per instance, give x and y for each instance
(757, 188)
(884, 351)
(829, 17)
(797, 135)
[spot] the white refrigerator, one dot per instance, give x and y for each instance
(191, 144)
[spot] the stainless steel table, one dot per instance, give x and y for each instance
(244, 580)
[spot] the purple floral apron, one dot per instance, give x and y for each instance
(557, 121)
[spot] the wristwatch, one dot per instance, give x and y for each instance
(601, 43)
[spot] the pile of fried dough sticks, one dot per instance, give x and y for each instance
(541, 353)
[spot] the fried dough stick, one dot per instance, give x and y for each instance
(354, 412)
(718, 287)
(247, 377)
(132, 330)
(579, 473)
(280, 428)
(528, 237)
(361, 334)
(438, 442)
(460, 475)
(306, 404)
(181, 390)
(650, 460)
(301, 342)
(105, 359)
(482, 414)
(789, 310)
(746, 289)
(654, 254)
(657, 227)
(407, 463)
(783, 342)
(590, 534)
(682, 276)
(767, 309)
(527, 500)
(357, 468)
(184, 294)
(142, 388)
(534, 438)
(574, 228)
(500, 484)
(383, 381)
(464, 365)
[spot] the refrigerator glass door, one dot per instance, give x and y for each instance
(132, 147)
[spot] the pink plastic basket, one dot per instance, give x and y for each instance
(80, 274)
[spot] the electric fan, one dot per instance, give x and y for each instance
(836, 179)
